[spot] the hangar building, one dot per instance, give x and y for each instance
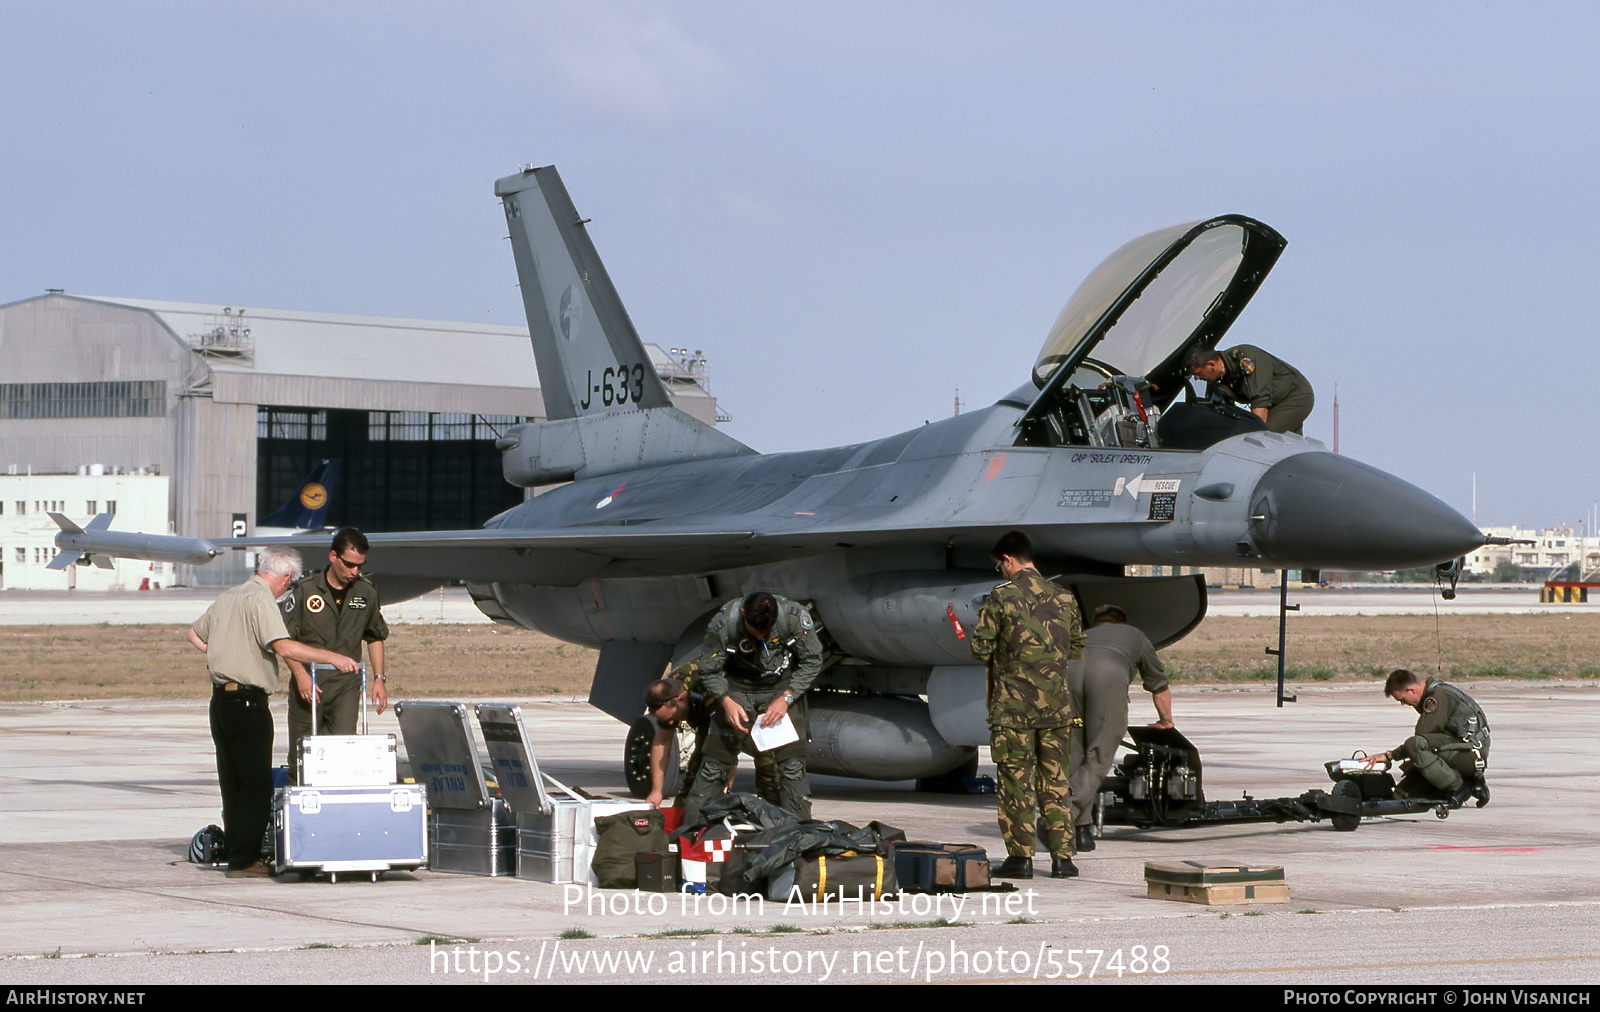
(237, 406)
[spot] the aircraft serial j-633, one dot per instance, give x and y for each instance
(1101, 455)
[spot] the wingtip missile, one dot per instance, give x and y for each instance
(98, 542)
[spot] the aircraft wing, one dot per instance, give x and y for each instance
(555, 557)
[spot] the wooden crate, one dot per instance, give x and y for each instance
(1215, 884)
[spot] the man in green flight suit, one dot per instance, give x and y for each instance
(1448, 752)
(679, 700)
(1027, 631)
(338, 610)
(1274, 389)
(761, 655)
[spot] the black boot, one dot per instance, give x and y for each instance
(1480, 790)
(1062, 867)
(1085, 837)
(1014, 867)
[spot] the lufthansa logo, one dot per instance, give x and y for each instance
(315, 603)
(313, 496)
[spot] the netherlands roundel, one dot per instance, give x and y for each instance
(315, 604)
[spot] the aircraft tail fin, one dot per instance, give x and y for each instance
(591, 360)
(599, 386)
(307, 509)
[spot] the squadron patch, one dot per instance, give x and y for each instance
(315, 604)
(805, 620)
(1246, 366)
(1429, 705)
(288, 604)
(357, 602)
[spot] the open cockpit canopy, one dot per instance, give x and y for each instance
(1130, 323)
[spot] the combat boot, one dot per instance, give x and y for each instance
(1014, 867)
(1062, 867)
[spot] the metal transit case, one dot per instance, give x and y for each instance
(349, 814)
(556, 838)
(345, 760)
(350, 830)
(470, 830)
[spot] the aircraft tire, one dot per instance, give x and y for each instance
(1341, 822)
(636, 756)
(950, 781)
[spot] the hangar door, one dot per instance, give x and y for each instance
(399, 470)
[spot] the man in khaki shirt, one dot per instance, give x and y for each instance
(242, 635)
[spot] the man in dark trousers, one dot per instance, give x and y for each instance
(336, 609)
(242, 635)
(1116, 654)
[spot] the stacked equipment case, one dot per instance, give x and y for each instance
(349, 815)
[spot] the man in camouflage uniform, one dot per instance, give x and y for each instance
(680, 700)
(1027, 631)
(1448, 752)
(761, 654)
(1274, 389)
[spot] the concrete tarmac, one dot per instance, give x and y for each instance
(102, 798)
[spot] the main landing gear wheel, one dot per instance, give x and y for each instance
(636, 756)
(1342, 822)
(951, 781)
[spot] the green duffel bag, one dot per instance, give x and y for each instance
(621, 836)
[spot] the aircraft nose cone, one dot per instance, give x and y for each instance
(1321, 510)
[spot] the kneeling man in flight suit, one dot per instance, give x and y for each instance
(1448, 752)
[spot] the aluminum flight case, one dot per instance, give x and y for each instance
(471, 831)
(345, 760)
(348, 815)
(350, 830)
(555, 837)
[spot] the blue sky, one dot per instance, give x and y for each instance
(856, 209)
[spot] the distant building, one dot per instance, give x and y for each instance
(236, 406)
(27, 534)
(1553, 549)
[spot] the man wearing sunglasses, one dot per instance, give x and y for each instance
(337, 610)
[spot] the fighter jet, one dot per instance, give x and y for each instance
(1100, 455)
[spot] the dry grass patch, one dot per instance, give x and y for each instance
(483, 661)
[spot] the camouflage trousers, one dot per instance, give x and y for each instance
(1033, 764)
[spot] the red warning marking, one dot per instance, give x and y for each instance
(996, 465)
(1491, 850)
(955, 623)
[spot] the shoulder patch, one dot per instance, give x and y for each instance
(1246, 365)
(288, 603)
(1429, 705)
(805, 620)
(315, 604)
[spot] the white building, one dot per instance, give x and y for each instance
(1553, 549)
(139, 502)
